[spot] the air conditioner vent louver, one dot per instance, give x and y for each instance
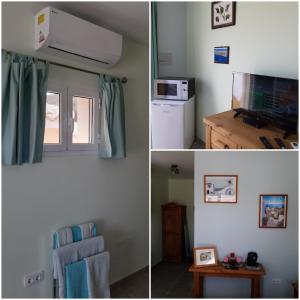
(69, 52)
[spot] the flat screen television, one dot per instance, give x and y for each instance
(267, 99)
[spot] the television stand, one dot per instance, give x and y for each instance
(257, 123)
(287, 133)
(223, 131)
(237, 113)
(250, 118)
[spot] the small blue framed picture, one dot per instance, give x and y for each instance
(221, 55)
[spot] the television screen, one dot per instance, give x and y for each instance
(271, 99)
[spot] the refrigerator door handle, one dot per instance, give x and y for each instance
(164, 105)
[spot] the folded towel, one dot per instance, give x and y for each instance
(86, 230)
(98, 275)
(76, 280)
(77, 235)
(62, 236)
(68, 235)
(72, 253)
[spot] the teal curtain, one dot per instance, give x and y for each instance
(154, 46)
(24, 87)
(112, 118)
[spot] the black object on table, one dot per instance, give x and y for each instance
(266, 142)
(280, 143)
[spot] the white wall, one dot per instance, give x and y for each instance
(182, 191)
(69, 189)
(171, 36)
(234, 227)
(163, 190)
(159, 196)
(263, 41)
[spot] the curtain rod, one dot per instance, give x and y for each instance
(123, 79)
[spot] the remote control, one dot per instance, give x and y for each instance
(294, 145)
(266, 142)
(280, 143)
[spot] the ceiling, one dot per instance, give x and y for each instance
(161, 161)
(127, 18)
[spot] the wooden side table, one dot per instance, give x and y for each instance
(220, 271)
(223, 131)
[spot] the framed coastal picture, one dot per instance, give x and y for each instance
(222, 14)
(221, 55)
(273, 211)
(205, 256)
(220, 188)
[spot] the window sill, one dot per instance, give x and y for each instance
(70, 153)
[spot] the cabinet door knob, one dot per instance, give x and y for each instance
(226, 146)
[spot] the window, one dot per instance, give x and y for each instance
(71, 118)
(82, 117)
(52, 122)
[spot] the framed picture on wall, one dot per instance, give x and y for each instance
(222, 14)
(220, 188)
(221, 55)
(273, 211)
(205, 256)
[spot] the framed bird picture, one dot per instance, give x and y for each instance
(222, 14)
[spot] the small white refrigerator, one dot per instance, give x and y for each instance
(173, 124)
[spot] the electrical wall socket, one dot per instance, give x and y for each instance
(276, 281)
(33, 278)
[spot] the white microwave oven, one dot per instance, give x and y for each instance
(174, 88)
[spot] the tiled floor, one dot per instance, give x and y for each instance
(169, 280)
(133, 286)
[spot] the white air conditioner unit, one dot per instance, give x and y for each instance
(62, 34)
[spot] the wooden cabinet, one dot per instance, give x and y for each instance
(173, 220)
(223, 131)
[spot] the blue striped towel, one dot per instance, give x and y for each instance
(68, 235)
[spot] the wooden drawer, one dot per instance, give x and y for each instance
(219, 141)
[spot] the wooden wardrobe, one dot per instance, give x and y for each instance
(173, 220)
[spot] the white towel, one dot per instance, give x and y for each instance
(86, 230)
(98, 275)
(64, 236)
(72, 253)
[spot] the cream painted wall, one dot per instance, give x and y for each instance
(263, 41)
(182, 191)
(163, 190)
(159, 196)
(234, 227)
(171, 36)
(71, 188)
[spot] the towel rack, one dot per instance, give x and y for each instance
(77, 236)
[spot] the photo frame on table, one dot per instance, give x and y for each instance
(205, 256)
(273, 210)
(220, 188)
(221, 55)
(223, 14)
